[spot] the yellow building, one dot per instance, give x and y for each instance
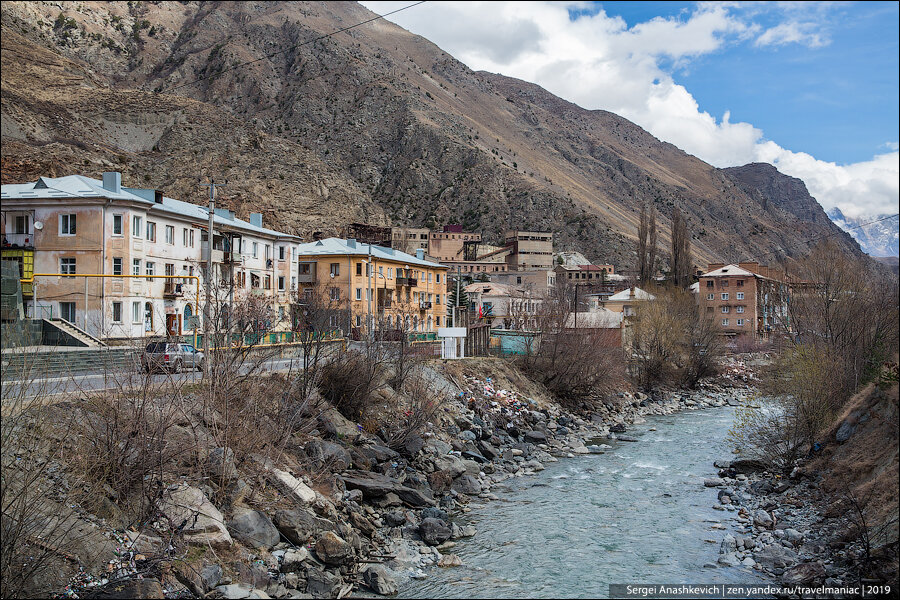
(382, 288)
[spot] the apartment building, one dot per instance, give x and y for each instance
(529, 250)
(76, 225)
(377, 287)
(744, 299)
(504, 306)
(410, 239)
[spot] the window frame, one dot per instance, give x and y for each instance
(121, 218)
(71, 225)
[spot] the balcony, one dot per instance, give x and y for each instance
(18, 240)
(424, 305)
(402, 281)
(172, 289)
(383, 304)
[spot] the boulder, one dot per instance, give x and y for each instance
(451, 464)
(378, 453)
(474, 456)
(729, 560)
(466, 484)
(844, 432)
(374, 485)
(747, 466)
(793, 536)
(713, 483)
(237, 591)
(807, 574)
(763, 519)
(210, 576)
(449, 560)
(412, 446)
(329, 455)
(300, 525)
(379, 580)
(292, 561)
(729, 545)
(220, 464)
(292, 487)
(201, 523)
(322, 584)
(434, 531)
(432, 512)
(253, 528)
(332, 549)
(775, 556)
(535, 437)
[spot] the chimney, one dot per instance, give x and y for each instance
(256, 219)
(158, 196)
(112, 182)
(753, 266)
(351, 243)
(420, 253)
(714, 266)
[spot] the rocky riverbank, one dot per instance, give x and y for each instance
(346, 513)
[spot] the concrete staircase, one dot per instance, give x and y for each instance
(75, 336)
(36, 364)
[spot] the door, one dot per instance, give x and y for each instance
(148, 317)
(172, 325)
(67, 311)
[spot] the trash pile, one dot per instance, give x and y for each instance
(736, 369)
(482, 394)
(127, 565)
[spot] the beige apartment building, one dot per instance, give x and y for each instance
(77, 225)
(376, 287)
(744, 299)
(529, 250)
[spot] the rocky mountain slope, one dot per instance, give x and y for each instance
(372, 124)
(877, 235)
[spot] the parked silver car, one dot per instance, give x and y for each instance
(169, 356)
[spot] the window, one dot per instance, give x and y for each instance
(710, 296)
(358, 320)
(151, 231)
(333, 321)
(67, 266)
(723, 283)
(739, 295)
(709, 309)
(359, 293)
(390, 272)
(726, 310)
(429, 277)
(335, 269)
(740, 322)
(136, 266)
(136, 226)
(304, 269)
(169, 269)
(268, 252)
(281, 283)
(184, 236)
(740, 309)
(268, 280)
(21, 224)
(117, 265)
(191, 238)
(293, 283)
(335, 294)
(135, 312)
(117, 312)
(67, 311)
(255, 250)
(740, 282)
(150, 269)
(170, 234)
(437, 278)
(724, 295)
(254, 281)
(710, 283)
(117, 225)
(242, 279)
(66, 224)
(359, 268)
(725, 322)
(437, 298)
(280, 252)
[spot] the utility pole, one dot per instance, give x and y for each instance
(456, 310)
(212, 185)
(369, 295)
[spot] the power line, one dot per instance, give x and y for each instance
(295, 46)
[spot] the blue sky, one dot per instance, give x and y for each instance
(838, 101)
(810, 87)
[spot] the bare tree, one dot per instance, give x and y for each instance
(681, 251)
(647, 240)
(316, 316)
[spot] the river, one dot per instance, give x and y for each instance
(638, 513)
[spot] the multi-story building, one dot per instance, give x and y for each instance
(410, 239)
(529, 250)
(744, 299)
(503, 306)
(76, 225)
(535, 282)
(377, 287)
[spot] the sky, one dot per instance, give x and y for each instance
(810, 87)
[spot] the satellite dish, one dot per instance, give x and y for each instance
(38, 225)
(332, 275)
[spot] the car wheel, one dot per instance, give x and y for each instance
(177, 367)
(201, 366)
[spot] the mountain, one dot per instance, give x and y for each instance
(878, 235)
(372, 124)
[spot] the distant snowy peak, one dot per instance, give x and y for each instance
(879, 237)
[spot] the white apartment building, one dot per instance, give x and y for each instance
(76, 225)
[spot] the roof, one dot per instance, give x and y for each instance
(632, 293)
(340, 247)
(79, 186)
(728, 271)
(596, 319)
(487, 288)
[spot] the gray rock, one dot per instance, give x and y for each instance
(201, 522)
(729, 560)
(332, 549)
(136, 588)
(380, 453)
(434, 531)
(453, 465)
(811, 573)
(328, 455)
(711, 483)
(293, 559)
(380, 581)
(210, 576)
(237, 591)
(469, 436)
(466, 484)
(412, 446)
(253, 528)
(845, 431)
(763, 519)
(535, 437)
(793, 536)
(729, 545)
(300, 525)
(374, 485)
(435, 513)
(322, 584)
(220, 464)
(775, 556)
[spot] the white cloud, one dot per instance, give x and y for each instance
(598, 62)
(793, 33)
